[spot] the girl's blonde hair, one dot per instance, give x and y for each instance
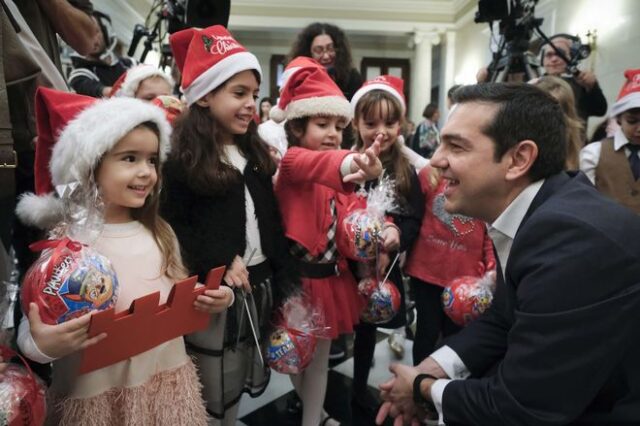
(369, 107)
(562, 92)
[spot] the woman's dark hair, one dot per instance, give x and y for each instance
(343, 62)
(195, 147)
(429, 110)
(265, 99)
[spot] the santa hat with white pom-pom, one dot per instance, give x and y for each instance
(74, 133)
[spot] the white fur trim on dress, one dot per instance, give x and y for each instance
(326, 105)
(632, 100)
(219, 73)
(43, 211)
(137, 75)
(368, 88)
(96, 130)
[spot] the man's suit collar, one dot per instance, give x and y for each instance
(551, 185)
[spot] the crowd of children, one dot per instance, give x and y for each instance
(180, 199)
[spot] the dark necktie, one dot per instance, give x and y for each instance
(634, 161)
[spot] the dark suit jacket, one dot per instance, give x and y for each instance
(562, 339)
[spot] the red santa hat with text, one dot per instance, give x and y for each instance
(207, 58)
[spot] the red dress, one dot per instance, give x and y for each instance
(307, 183)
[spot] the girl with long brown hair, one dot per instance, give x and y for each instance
(219, 199)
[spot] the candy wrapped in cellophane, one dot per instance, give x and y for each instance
(22, 394)
(292, 344)
(467, 297)
(360, 232)
(70, 278)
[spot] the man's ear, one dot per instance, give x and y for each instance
(521, 159)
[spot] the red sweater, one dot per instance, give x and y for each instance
(449, 246)
(306, 182)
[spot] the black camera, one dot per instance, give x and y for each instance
(516, 24)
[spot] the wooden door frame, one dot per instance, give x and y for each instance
(384, 64)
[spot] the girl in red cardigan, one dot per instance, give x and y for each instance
(449, 246)
(314, 181)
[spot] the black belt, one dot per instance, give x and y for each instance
(317, 270)
(260, 272)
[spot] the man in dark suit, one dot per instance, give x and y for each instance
(560, 343)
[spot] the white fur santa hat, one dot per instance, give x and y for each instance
(629, 96)
(128, 83)
(74, 133)
(388, 83)
(207, 58)
(308, 90)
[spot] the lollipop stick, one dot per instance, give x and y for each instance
(253, 330)
(395, 259)
(244, 298)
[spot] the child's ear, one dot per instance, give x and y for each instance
(204, 101)
(297, 131)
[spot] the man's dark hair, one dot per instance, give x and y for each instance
(524, 112)
(452, 90)
(429, 110)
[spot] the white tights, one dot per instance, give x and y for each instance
(311, 384)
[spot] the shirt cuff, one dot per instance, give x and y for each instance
(345, 167)
(28, 346)
(450, 363)
(233, 296)
(437, 390)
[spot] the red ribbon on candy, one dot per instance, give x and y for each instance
(57, 246)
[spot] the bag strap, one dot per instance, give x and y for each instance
(8, 156)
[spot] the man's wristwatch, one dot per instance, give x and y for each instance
(418, 399)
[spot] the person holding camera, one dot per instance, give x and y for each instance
(94, 74)
(590, 100)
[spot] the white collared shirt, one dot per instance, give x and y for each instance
(590, 154)
(502, 231)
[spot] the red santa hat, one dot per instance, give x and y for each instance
(127, 84)
(308, 90)
(74, 133)
(207, 58)
(629, 96)
(388, 83)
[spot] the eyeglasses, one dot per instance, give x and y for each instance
(321, 50)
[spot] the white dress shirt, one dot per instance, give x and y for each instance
(502, 231)
(590, 154)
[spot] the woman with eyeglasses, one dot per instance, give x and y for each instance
(328, 45)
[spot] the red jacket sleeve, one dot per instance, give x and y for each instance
(301, 165)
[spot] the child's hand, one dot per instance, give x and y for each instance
(60, 340)
(214, 301)
(366, 166)
(237, 275)
(390, 238)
